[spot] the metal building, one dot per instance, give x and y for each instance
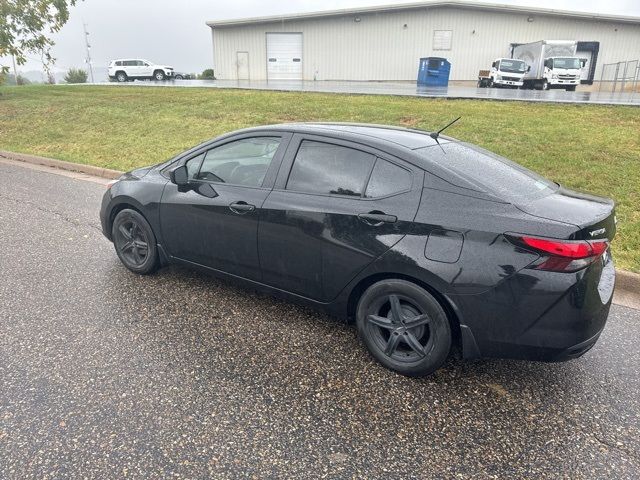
(385, 43)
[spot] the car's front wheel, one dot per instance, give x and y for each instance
(159, 75)
(135, 242)
(404, 327)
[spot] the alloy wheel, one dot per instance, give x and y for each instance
(400, 329)
(132, 242)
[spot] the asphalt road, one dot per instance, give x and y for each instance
(104, 374)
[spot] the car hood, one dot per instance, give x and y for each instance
(589, 213)
(138, 172)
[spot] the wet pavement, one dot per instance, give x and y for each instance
(410, 90)
(105, 374)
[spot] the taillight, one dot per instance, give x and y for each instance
(561, 255)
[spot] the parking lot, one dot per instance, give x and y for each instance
(105, 374)
(409, 90)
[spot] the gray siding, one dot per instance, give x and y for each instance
(379, 47)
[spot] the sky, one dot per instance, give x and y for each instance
(174, 33)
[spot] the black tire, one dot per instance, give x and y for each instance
(545, 85)
(159, 75)
(135, 242)
(121, 77)
(415, 345)
(178, 77)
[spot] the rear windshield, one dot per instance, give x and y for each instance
(489, 172)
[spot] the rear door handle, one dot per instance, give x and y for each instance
(241, 207)
(375, 219)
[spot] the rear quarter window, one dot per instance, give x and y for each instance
(488, 172)
(387, 179)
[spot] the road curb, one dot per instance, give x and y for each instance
(62, 165)
(627, 292)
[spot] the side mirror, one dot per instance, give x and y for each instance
(180, 176)
(583, 62)
(528, 68)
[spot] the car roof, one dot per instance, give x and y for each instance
(363, 132)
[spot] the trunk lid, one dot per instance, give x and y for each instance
(593, 216)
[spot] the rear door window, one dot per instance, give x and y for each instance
(326, 168)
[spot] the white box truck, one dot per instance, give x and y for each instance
(553, 64)
(505, 72)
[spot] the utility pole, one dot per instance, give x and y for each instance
(88, 46)
(15, 71)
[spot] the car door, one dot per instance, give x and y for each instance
(335, 208)
(131, 68)
(144, 68)
(214, 221)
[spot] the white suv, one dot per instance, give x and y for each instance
(125, 70)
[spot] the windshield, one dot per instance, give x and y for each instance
(512, 66)
(489, 172)
(570, 62)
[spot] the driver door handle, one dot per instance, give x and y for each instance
(376, 218)
(241, 207)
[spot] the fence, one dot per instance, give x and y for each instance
(620, 77)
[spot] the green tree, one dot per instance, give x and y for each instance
(26, 27)
(76, 75)
(10, 79)
(207, 74)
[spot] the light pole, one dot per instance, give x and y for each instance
(88, 46)
(15, 70)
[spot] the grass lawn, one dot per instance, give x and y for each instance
(586, 147)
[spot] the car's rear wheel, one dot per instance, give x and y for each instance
(121, 77)
(404, 327)
(159, 75)
(135, 242)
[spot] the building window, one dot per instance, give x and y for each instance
(442, 39)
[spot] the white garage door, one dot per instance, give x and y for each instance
(284, 56)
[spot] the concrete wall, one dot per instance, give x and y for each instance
(380, 47)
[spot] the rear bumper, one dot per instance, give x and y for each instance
(577, 350)
(543, 316)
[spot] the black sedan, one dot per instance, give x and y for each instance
(422, 240)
